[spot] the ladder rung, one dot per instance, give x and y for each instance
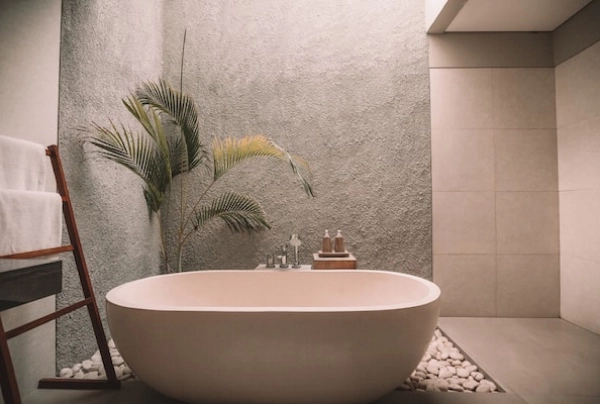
(52, 316)
(40, 253)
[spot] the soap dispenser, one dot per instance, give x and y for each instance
(326, 248)
(339, 242)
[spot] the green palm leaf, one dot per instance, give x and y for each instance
(151, 123)
(139, 154)
(181, 110)
(229, 152)
(242, 214)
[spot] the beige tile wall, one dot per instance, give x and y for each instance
(578, 122)
(495, 199)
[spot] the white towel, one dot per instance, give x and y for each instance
(29, 220)
(22, 164)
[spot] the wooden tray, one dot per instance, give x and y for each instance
(334, 254)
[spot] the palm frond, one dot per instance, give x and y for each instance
(229, 152)
(181, 110)
(139, 154)
(178, 153)
(242, 214)
(150, 120)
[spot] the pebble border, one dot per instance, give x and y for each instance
(443, 368)
(93, 368)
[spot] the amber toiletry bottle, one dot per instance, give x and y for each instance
(339, 242)
(326, 242)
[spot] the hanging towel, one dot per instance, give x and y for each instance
(29, 220)
(22, 164)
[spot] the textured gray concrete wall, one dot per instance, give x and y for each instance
(344, 84)
(107, 47)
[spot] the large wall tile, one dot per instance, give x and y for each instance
(528, 285)
(580, 224)
(462, 159)
(463, 223)
(527, 222)
(461, 98)
(468, 284)
(578, 87)
(579, 155)
(524, 98)
(580, 296)
(526, 160)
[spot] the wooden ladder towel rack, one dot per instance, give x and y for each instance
(10, 390)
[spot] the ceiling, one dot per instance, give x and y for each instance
(511, 15)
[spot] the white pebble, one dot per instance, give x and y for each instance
(86, 364)
(483, 388)
(470, 384)
(445, 374)
(117, 360)
(77, 367)
(457, 356)
(477, 376)
(441, 384)
(462, 372)
(493, 387)
(432, 386)
(433, 369)
(456, 387)
(91, 375)
(66, 373)
(417, 374)
(111, 344)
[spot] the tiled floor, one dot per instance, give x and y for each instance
(537, 361)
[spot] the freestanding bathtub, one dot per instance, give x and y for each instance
(331, 337)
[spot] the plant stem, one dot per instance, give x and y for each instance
(179, 256)
(182, 55)
(189, 217)
(163, 246)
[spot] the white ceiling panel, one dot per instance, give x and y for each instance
(514, 15)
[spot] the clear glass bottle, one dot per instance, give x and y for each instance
(284, 256)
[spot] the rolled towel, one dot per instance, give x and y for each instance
(29, 220)
(22, 164)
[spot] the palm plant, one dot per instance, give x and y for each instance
(157, 156)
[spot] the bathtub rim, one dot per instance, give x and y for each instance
(433, 294)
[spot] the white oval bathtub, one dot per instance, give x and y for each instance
(331, 337)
